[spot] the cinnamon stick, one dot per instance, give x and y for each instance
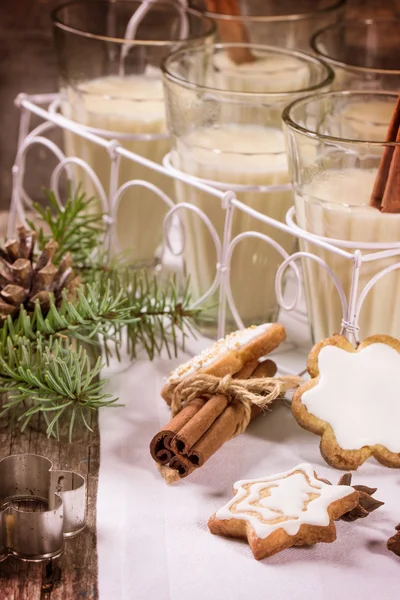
(219, 433)
(203, 425)
(160, 445)
(182, 465)
(267, 368)
(161, 454)
(197, 426)
(232, 30)
(201, 422)
(225, 426)
(386, 193)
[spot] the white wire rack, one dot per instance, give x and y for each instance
(46, 107)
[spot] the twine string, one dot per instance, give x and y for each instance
(259, 392)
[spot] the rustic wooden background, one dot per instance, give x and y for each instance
(27, 63)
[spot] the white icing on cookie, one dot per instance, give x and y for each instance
(283, 501)
(358, 395)
(233, 341)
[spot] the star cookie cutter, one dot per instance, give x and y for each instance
(27, 482)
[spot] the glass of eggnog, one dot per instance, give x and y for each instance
(364, 53)
(335, 143)
(109, 54)
(287, 23)
(225, 124)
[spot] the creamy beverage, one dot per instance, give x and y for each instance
(336, 205)
(363, 121)
(132, 107)
(275, 73)
(226, 127)
(236, 154)
(265, 75)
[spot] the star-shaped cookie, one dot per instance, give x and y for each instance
(294, 508)
(352, 400)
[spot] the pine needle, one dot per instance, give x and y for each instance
(49, 376)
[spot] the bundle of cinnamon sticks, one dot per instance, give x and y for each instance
(204, 425)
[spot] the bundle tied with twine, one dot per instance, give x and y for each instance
(260, 392)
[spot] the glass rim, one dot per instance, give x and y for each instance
(273, 18)
(344, 65)
(291, 124)
(190, 49)
(123, 41)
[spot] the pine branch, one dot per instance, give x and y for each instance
(77, 227)
(153, 317)
(41, 369)
(92, 312)
(51, 378)
(159, 316)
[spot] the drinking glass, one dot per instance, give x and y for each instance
(335, 143)
(364, 53)
(287, 23)
(225, 124)
(109, 54)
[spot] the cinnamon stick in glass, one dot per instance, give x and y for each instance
(232, 30)
(386, 193)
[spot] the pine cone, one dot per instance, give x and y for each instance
(23, 282)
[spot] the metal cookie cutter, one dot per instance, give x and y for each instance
(26, 482)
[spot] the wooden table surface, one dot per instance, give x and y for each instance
(74, 574)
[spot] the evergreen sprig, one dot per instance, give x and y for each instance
(43, 365)
(77, 226)
(152, 316)
(94, 312)
(159, 316)
(50, 377)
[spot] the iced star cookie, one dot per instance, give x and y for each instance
(294, 508)
(352, 400)
(229, 355)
